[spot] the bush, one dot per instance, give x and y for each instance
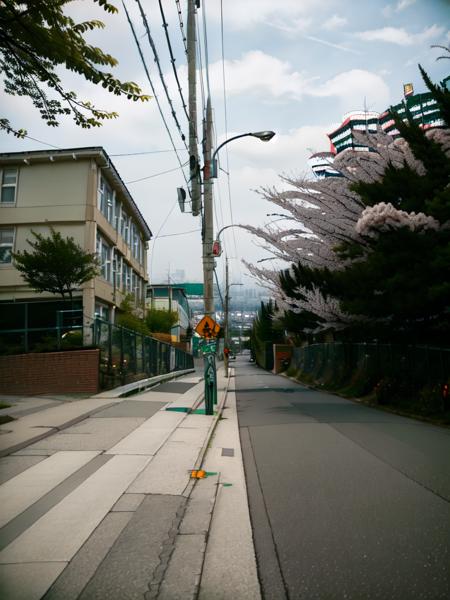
(160, 320)
(430, 400)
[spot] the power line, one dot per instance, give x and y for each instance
(158, 64)
(22, 135)
(205, 37)
(182, 233)
(172, 58)
(218, 289)
(146, 152)
(200, 62)
(153, 90)
(226, 122)
(180, 19)
(156, 174)
(152, 253)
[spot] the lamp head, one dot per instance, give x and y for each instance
(264, 136)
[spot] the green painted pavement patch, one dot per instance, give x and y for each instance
(184, 409)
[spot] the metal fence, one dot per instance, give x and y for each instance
(126, 355)
(363, 366)
(68, 333)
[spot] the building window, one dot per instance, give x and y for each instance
(105, 200)
(104, 251)
(102, 311)
(127, 277)
(117, 268)
(101, 194)
(126, 228)
(9, 184)
(117, 215)
(134, 241)
(6, 244)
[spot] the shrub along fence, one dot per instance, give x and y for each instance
(127, 356)
(416, 377)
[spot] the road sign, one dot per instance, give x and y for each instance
(209, 348)
(208, 328)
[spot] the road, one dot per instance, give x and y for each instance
(346, 501)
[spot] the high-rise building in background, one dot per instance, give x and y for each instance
(422, 108)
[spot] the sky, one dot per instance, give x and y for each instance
(291, 66)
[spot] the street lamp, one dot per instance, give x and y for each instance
(264, 136)
(210, 172)
(217, 246)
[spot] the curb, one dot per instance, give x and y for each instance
(169, 547)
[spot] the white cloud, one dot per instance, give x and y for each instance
(402, 4)
(399, 35)
(334, 22)
(351, 87)
(243, 15)
(390, 9)
(248, 75)
(261, 74)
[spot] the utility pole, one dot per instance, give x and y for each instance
(227, 300)
(192, 81)
(208, 225)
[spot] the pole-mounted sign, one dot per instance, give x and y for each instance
(217, 248)
(208, 328)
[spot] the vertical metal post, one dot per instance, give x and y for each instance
(58, 329)
(210, 383)
(122, 357)
(110, 351)
(26, 327)
(226, 340)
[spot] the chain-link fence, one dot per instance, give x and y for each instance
(127, 356)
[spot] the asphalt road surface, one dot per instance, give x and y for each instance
(347, 502)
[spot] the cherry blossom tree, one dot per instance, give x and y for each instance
(335, 225)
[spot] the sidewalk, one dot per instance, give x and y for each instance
(106, 507)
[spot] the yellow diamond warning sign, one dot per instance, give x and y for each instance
(208, 328)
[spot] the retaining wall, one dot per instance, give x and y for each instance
(50, 373)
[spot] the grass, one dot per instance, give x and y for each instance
(6, 419)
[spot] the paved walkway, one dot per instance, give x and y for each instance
(97, 500)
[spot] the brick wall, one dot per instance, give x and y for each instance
(50, 373)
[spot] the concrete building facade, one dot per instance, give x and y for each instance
(79, 193)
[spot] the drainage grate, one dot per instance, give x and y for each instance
(227, 451)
